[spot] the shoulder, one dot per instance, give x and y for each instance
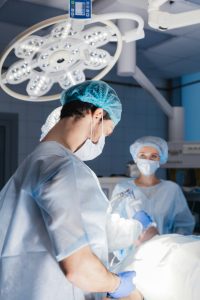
(50, 149)
(175, 192)
(54, 152)
(124, 184)
(50, 159)
(170, 185)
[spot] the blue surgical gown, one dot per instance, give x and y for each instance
(164, 202)
(51, 207)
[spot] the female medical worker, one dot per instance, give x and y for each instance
(54, 215)
(162, 199)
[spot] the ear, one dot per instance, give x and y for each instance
(98, 114)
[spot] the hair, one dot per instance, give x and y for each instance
(78, 109)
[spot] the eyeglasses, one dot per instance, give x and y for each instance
(150, 156)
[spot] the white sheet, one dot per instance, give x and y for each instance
(167, 267)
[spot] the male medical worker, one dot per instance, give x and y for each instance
(55, 225)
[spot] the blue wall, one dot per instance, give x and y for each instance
(191, 103)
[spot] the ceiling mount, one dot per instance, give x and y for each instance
(163, 20)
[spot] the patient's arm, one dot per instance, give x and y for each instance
(147, 235)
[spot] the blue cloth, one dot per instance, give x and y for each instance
(164, 202)
(156, 142)
(47, 213)
(126, 285)
(97, 93)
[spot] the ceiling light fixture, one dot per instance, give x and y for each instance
(61, 56)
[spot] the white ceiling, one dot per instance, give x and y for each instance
(160, 54)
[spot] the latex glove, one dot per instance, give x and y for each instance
(143, 218)
(126, 285)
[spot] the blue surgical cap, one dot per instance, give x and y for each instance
(97, 93)
(159, 144)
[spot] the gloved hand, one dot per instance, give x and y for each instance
(126, 285)
(143, 218)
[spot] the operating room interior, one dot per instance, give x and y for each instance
(157, 78)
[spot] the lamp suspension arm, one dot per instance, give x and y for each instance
(128, 36)
(141, 78)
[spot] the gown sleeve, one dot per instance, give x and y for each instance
(183, 220)
(60, 206)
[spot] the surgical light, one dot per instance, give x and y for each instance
(62, 55)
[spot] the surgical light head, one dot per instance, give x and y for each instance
(156, 142)
(64, 56)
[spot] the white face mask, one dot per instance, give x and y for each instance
(147, 167)
(89, 150)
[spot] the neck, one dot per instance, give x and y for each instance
(69, 132)
(147, 180)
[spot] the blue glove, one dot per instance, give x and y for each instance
(143, 218)
(126, 285)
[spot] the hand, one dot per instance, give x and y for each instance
(126, 285)
(147, 235)
(143, 218)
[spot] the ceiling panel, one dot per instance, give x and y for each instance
(159, 60)
(183, 30)
(156, 73)
(180, 47)
(183, 67)
(153, 38)
(143, 62)
(11, 32)
(61, 4)
(194, 34)
(195, 58)
(26, 14)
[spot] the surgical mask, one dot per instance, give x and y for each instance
(89, 150)
(147, 167)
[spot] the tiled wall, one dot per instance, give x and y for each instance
(141, 116)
